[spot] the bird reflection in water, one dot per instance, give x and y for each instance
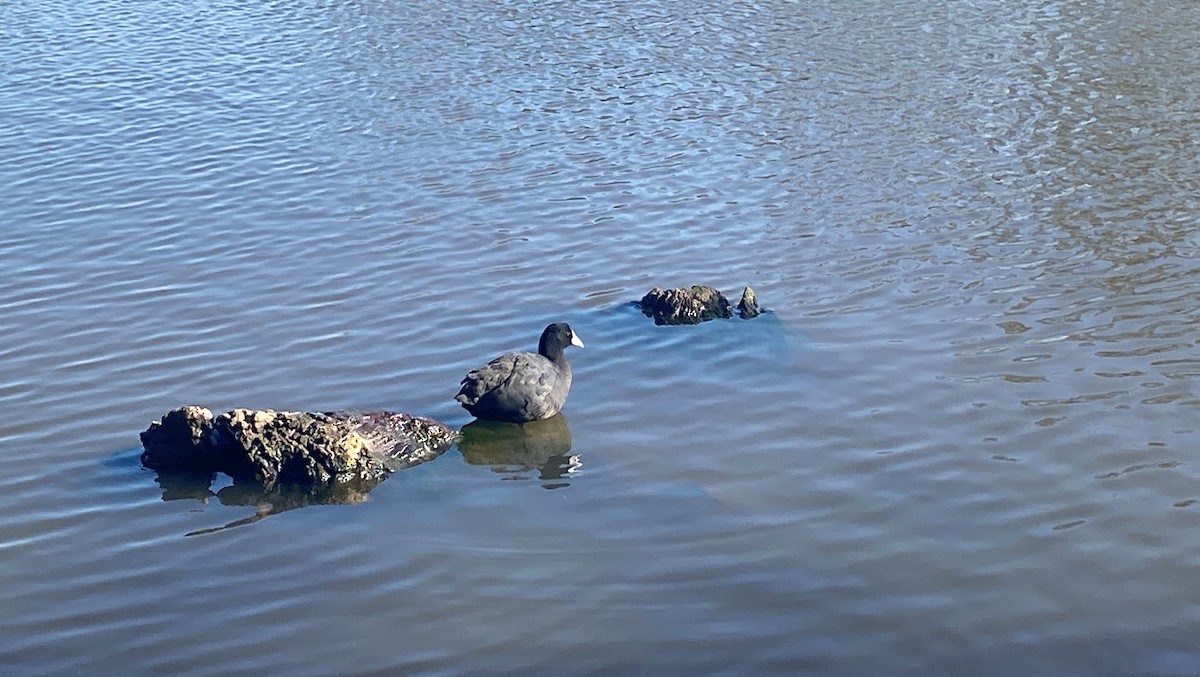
(516, 449)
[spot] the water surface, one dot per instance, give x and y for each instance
(962, 442)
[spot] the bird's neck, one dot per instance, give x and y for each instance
(552, 352)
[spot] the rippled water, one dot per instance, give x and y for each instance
(964, 442)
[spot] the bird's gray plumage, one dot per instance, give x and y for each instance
(520, 387)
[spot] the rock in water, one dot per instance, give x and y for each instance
(179, 439)
(685, 305)
(748, 306)
(271, 447)
(399, 439)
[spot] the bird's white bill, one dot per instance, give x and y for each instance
(575, 339)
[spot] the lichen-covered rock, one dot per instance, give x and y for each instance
(302, 448)
(685, 305)
(748, 307)
(293, 447)
(181, 432)
(400, 440)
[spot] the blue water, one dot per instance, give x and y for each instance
(961, 442)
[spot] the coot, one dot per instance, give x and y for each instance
(520, 387)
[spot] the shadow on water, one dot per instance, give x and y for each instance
(192, 485)
(514, 450)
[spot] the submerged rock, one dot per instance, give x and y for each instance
(685, 305)
(273, 447)
(400, 440)
(695, 304)
(748, 306)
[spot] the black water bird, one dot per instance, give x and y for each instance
(521, 387)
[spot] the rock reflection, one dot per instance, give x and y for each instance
(515, 450)
(198, 486)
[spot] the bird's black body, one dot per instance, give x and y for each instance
(521, 387)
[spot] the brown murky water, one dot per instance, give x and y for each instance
(964, 442)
